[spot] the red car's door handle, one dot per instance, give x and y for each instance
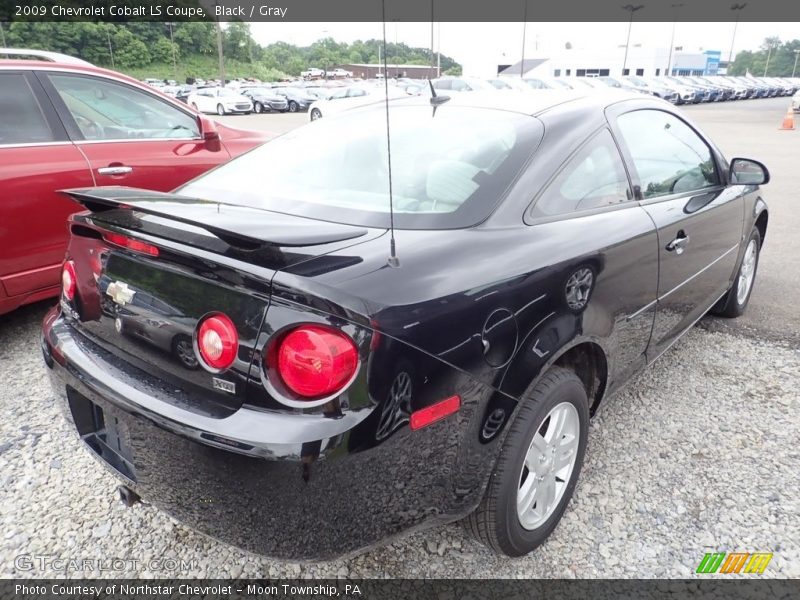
(118, 170)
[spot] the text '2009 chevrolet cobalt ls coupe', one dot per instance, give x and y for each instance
(248, 354)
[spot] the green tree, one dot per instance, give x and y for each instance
(129, 51)
(162, 51)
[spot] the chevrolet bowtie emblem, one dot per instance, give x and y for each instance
(120, 292)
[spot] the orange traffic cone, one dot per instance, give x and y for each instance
(788, 120)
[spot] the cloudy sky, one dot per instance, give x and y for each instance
(479, 46)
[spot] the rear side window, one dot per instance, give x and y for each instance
(21, 118)
(105, 110)
(593, 178)
(669, 157)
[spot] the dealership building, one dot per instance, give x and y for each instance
(646, 62)
(370, 71)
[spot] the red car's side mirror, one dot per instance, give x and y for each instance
(209, 133)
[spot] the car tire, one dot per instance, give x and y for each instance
(220, 110)
(258, 108)
(292, 106)
(183, 350)
(315, 114)
(734, 303)
(556, 401)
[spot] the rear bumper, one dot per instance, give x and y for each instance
(281, 485)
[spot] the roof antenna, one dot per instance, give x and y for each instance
(435, 100)
(393, 260)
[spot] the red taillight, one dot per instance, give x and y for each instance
(69, 282)
(130, 243)
(315, 361)
(435, 412)
(217, 341)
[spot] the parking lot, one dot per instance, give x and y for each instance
(699, 454)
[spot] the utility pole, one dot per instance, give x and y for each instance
(110, 49)
(796, 54)
(671, 44)
(631, 9)
(737, 8)
(221, 58)
(174, 56)
(431, 71)
(439, 49)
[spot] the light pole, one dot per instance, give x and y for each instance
(796, 54)
(738, 9)
(769, 53)
(524, 31)
(631, 9)
(671, 44)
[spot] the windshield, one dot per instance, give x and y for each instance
(450, 167)
(226, 92)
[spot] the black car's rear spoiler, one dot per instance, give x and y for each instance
(239, 226)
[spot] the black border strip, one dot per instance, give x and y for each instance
(403, 10)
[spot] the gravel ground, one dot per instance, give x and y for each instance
(697, 454)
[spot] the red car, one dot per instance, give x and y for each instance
(65, 124)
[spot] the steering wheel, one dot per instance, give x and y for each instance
(90, 129)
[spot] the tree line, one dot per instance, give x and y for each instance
(781, 55)
(158, 47)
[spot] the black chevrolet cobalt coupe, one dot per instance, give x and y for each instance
(249, 354)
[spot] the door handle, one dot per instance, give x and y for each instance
(119, 170)
(678, 245)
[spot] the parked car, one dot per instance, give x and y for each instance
(649, 87)
(265, 99)
(220, 100)
(313, 73)
(339, 73)
(346, 98)
(297, 99)
(367, 371)
(462, 84)
(796, 101)
(66, 123)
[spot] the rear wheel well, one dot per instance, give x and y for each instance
(588, 361)
(761, 225)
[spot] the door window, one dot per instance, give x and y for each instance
(669, 156)
(593, 178)
(22, 121)
(105, 110)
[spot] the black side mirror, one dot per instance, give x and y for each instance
(745, 171)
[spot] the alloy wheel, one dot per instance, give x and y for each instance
(548, 466)
(747, 272)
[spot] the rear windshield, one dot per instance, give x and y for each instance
(450, 167)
